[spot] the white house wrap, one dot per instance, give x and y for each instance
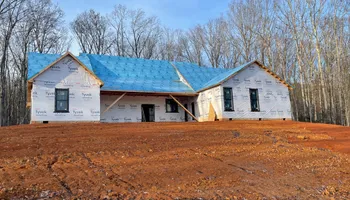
(84, 93)
(116, 89)
(273, 95)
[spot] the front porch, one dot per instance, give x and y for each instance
(147, 107)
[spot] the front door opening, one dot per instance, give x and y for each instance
(147, 112)
(186, 115)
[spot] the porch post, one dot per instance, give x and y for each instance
(183, 107)
(114, 103)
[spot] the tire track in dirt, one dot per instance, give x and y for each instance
(174, 160)
(63, 183)
(115, 178)
(221, 161)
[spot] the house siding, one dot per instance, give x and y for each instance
(273, 95)
(84, 93)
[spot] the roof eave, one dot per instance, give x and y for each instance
(153, 92)
(273, 74)
(246, 65)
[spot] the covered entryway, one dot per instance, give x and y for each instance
(147, 112)
(185, 109)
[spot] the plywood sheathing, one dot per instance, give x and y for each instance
(29, 94)
(212, 114)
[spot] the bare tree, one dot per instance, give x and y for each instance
(48, 27)
(118, 20)
(92, 32)
(142, 34)
(191, 46)
(213, 38)
(9, 22)
(242, 21)
(27, 26)
(168, 48)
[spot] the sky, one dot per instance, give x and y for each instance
(175, 14)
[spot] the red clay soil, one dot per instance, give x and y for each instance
(212, 160)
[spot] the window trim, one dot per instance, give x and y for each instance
(61, 111)
(257, 99)
(166, 106)
(232, 105)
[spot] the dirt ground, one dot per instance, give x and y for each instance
(212, 160)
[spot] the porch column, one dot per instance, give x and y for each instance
(183, 107)
(114, 103)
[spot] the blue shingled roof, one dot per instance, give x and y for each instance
(141, 75)
(135, 74)
(224, 75)
(37, 62)
(198, 76)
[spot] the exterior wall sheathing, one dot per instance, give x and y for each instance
(128, 109)
(84, 93)
(274, 98)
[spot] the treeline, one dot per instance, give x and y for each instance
(25, 26)
(304, 42)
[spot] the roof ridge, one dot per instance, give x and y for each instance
(51, 54)
(123, 57)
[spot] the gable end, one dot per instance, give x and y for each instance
(247, 65)
(100, 82)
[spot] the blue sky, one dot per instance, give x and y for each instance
(175, 14)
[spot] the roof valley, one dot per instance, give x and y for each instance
(182, 78)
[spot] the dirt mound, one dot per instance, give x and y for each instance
(212, 160)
